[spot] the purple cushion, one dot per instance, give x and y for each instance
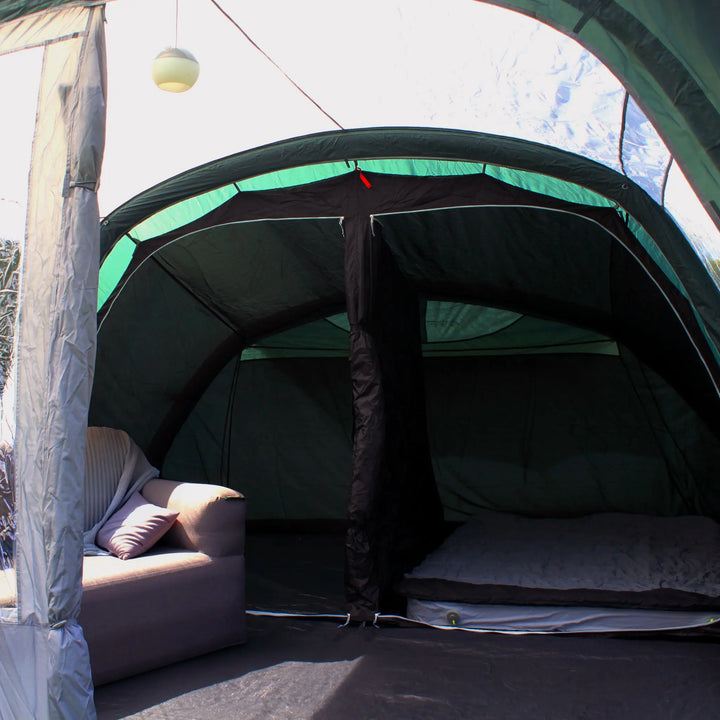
(135, 527)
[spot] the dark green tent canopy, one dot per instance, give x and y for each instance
(552, 351)
(505, 324)
(389, 329)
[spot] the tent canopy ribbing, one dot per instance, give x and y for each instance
(535, 208)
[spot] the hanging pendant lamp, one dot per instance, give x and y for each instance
(175, 69)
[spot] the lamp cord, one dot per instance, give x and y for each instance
(260, 50)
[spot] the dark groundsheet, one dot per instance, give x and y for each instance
(307, 668)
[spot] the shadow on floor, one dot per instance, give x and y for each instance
(314, 670)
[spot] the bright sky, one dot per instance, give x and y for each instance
(455, 63)
(375, 62)
(18, 80)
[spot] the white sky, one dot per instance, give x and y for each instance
(455, 63)
(18, 80)
(449, 63)
(366, 63)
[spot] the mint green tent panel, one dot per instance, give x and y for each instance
(243, 309)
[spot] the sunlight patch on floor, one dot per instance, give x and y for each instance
(288, 690)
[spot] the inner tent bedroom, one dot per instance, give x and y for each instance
(412, 343)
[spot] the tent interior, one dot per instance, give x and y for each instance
(410, 341)
(445, 305)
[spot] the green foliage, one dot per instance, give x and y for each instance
(7, 507)
(9, 283)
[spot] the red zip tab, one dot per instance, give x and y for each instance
(365, 181)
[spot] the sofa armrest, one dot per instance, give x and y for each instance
(211, 519)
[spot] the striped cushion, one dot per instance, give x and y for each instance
(105, 455)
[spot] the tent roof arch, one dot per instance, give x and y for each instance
(668, 245)
(273, 220)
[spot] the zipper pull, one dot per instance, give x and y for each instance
(363, 179)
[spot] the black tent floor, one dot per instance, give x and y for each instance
(307, 668)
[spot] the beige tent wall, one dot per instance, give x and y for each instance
(45, 671)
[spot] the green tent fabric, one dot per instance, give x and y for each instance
(666, 53)
(567, 307)
(229, 331)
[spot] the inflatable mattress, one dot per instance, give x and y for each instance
(602, 572)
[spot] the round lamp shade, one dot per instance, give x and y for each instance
(175, 70)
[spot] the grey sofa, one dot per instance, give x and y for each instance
(185, 597)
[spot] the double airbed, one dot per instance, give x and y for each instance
(604, 572)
